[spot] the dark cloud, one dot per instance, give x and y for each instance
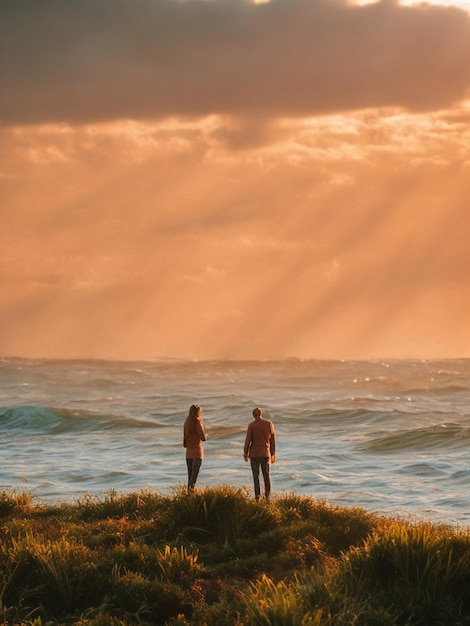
(88, 60)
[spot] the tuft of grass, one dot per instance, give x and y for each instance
(223, 514)
(145, 598)
(296, 508)
(15, 503)
(144, 504)
(54, 574)
(338, 528)
(178, 565)
(269, 604)
(326, 593)
(422, 570)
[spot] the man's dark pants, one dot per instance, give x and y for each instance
(262, 463)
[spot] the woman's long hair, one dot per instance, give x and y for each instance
(190, 421)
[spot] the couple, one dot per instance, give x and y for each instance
(260, 447)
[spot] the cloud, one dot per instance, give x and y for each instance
(339, 236)
(85, 61)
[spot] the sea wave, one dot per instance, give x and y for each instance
(439, 435)
(38, 419)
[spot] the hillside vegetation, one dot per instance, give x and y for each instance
(217, 557)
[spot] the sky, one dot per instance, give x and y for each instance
(228, 179)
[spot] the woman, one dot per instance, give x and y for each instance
(193, 436)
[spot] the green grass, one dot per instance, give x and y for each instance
(216, 557)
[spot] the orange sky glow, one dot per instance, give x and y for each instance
(230, 179)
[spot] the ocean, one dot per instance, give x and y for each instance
(392, 437)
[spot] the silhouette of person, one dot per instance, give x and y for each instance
(193, 436)
(260, 448)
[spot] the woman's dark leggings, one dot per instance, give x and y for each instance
(194, 465)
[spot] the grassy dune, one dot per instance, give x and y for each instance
(216, 557)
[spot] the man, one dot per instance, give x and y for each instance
(260, 448)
